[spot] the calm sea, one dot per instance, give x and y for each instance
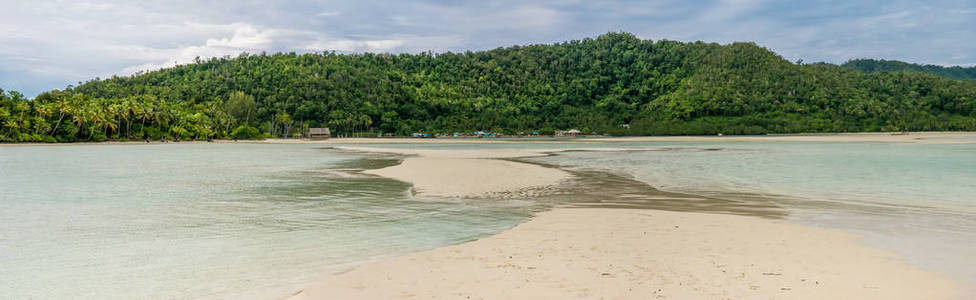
(210, 220)
(917, 200)
(257, 221)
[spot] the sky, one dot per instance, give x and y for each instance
(50, 44)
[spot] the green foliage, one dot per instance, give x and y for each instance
(615, 83)
(67, 116)
(240, 106)
(881, 65)
(244, 132)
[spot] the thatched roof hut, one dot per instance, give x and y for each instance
(319, 133)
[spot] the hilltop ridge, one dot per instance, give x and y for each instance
(614, 84)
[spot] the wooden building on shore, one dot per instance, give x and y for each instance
(319, 133)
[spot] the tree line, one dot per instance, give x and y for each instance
(881, 65)
(613, 84)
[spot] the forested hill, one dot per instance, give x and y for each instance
(612, 84)
(880, 65)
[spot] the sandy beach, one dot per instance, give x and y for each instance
(605, 253)
(869, 137)
(459, 173)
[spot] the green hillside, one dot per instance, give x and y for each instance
(613, 84)
(880, 65)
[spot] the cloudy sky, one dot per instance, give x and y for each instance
(50, 44)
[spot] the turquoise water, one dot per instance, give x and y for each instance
(939, 175)
(209, 220)
(931, 175)
(258, 221)
(917, 200)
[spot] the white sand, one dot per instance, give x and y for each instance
(468, 173)
(594, 253)
(575, 253)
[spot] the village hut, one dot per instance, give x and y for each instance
(571, 132)
(319, 133)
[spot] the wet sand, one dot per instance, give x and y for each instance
(586, 253)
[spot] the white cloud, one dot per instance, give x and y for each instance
(889, 19)
(354, 45)
(524, 18)
(533, 16)
(246, 38)
(48, 44)
(243, 38)
(728, 9)
(88, 5)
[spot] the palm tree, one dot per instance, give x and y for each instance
(143, 110)
(43, 111)
(126, 114)
(79, 116)
(95, 116)
(113, 114)
(64, 108)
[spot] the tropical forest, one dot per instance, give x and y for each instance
(614, 84)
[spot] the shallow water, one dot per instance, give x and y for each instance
(209, 220)
(915, 199)
(257, 221)
(918, 200)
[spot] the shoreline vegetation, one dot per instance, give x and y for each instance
(902, 137)
(581, 253)
(882, 65)
(615, 84)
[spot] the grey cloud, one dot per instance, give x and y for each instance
(48, 44)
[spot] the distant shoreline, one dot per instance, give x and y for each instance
(908, 137)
